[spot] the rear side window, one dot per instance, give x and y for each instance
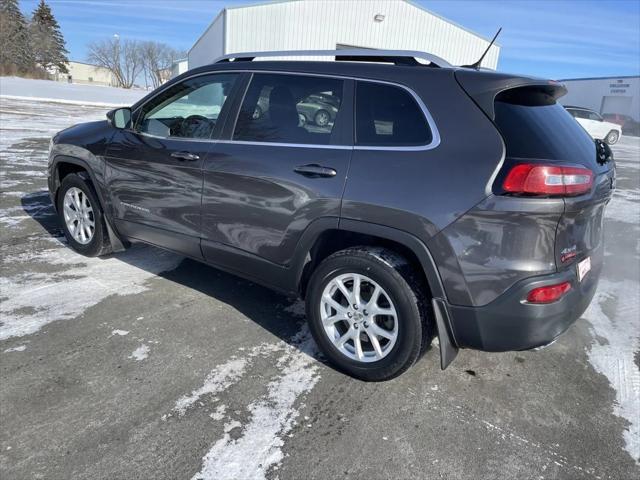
(535, 126)
(389, 116)
(290, 109)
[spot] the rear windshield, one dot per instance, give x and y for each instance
(535, 126)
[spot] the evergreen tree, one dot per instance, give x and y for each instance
(15, 48)
(47, 41)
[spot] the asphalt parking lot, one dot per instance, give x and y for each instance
(144, 365)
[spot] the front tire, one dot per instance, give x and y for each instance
(368, 313)
(82, 217)
(612, 137)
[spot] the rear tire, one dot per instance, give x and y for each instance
(398, 317)
(612, 137)
(82, 209)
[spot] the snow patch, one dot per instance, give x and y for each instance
(231, 425)
(140, 353)
(121, 333)
(219, 379)
(615, 357)
(219, 413)
(92, 280)
(259, 448)
(19, 348)
(297, 309)
(625, 207)
(15, 88)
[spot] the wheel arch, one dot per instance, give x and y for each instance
(325, 241)
(68, 165)
(618, 135)
(349, 233)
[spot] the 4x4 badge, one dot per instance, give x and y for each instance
(568, 253)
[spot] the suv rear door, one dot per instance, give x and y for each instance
(154, 172)
(275, 170)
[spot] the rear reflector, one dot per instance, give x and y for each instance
(548, 294)
(536, 179)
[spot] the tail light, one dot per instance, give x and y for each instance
(548, 294)
(537, 179)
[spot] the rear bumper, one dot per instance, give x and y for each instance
(509, 323)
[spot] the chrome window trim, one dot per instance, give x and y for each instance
(435, 134)
(179, 139)
(281, 144)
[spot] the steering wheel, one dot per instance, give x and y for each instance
(196, 126)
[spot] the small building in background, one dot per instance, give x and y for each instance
(179, 67)
(617, 99)
(86, 73)
(331, 25)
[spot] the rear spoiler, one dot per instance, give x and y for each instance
(483, 87)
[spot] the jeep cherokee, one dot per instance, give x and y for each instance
(437, 200)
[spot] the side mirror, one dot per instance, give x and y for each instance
(120, 117)
(603, 152)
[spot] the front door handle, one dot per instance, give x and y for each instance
(315, 171)
(185, 156)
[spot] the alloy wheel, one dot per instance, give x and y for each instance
(78, 215)
(359, 317)
(322, 118)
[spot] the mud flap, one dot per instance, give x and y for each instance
(116, 244)
(448, 350)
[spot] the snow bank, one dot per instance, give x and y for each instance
(47, 90)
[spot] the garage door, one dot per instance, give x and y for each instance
(616, 104)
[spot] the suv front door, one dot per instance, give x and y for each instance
(276, 171)
(154, 172)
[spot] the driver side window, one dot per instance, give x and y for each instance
(189, 109)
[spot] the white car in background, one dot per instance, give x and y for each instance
(595, 125)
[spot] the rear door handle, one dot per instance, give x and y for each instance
(315, 171)
(185, 156)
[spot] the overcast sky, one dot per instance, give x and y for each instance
(549, 38)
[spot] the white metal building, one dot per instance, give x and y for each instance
(332, 24)
(86, 73)
(619, 95)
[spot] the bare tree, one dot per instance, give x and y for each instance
(121, 57)
(157, 59)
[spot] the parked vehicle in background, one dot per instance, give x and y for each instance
(318, 109)
(438, 200)
(595, 125)
(628, 124)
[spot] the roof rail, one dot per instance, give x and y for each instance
(397, 57)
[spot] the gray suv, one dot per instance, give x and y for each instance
(439, 200)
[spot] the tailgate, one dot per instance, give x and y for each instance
(580, 230)
(538, 130)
